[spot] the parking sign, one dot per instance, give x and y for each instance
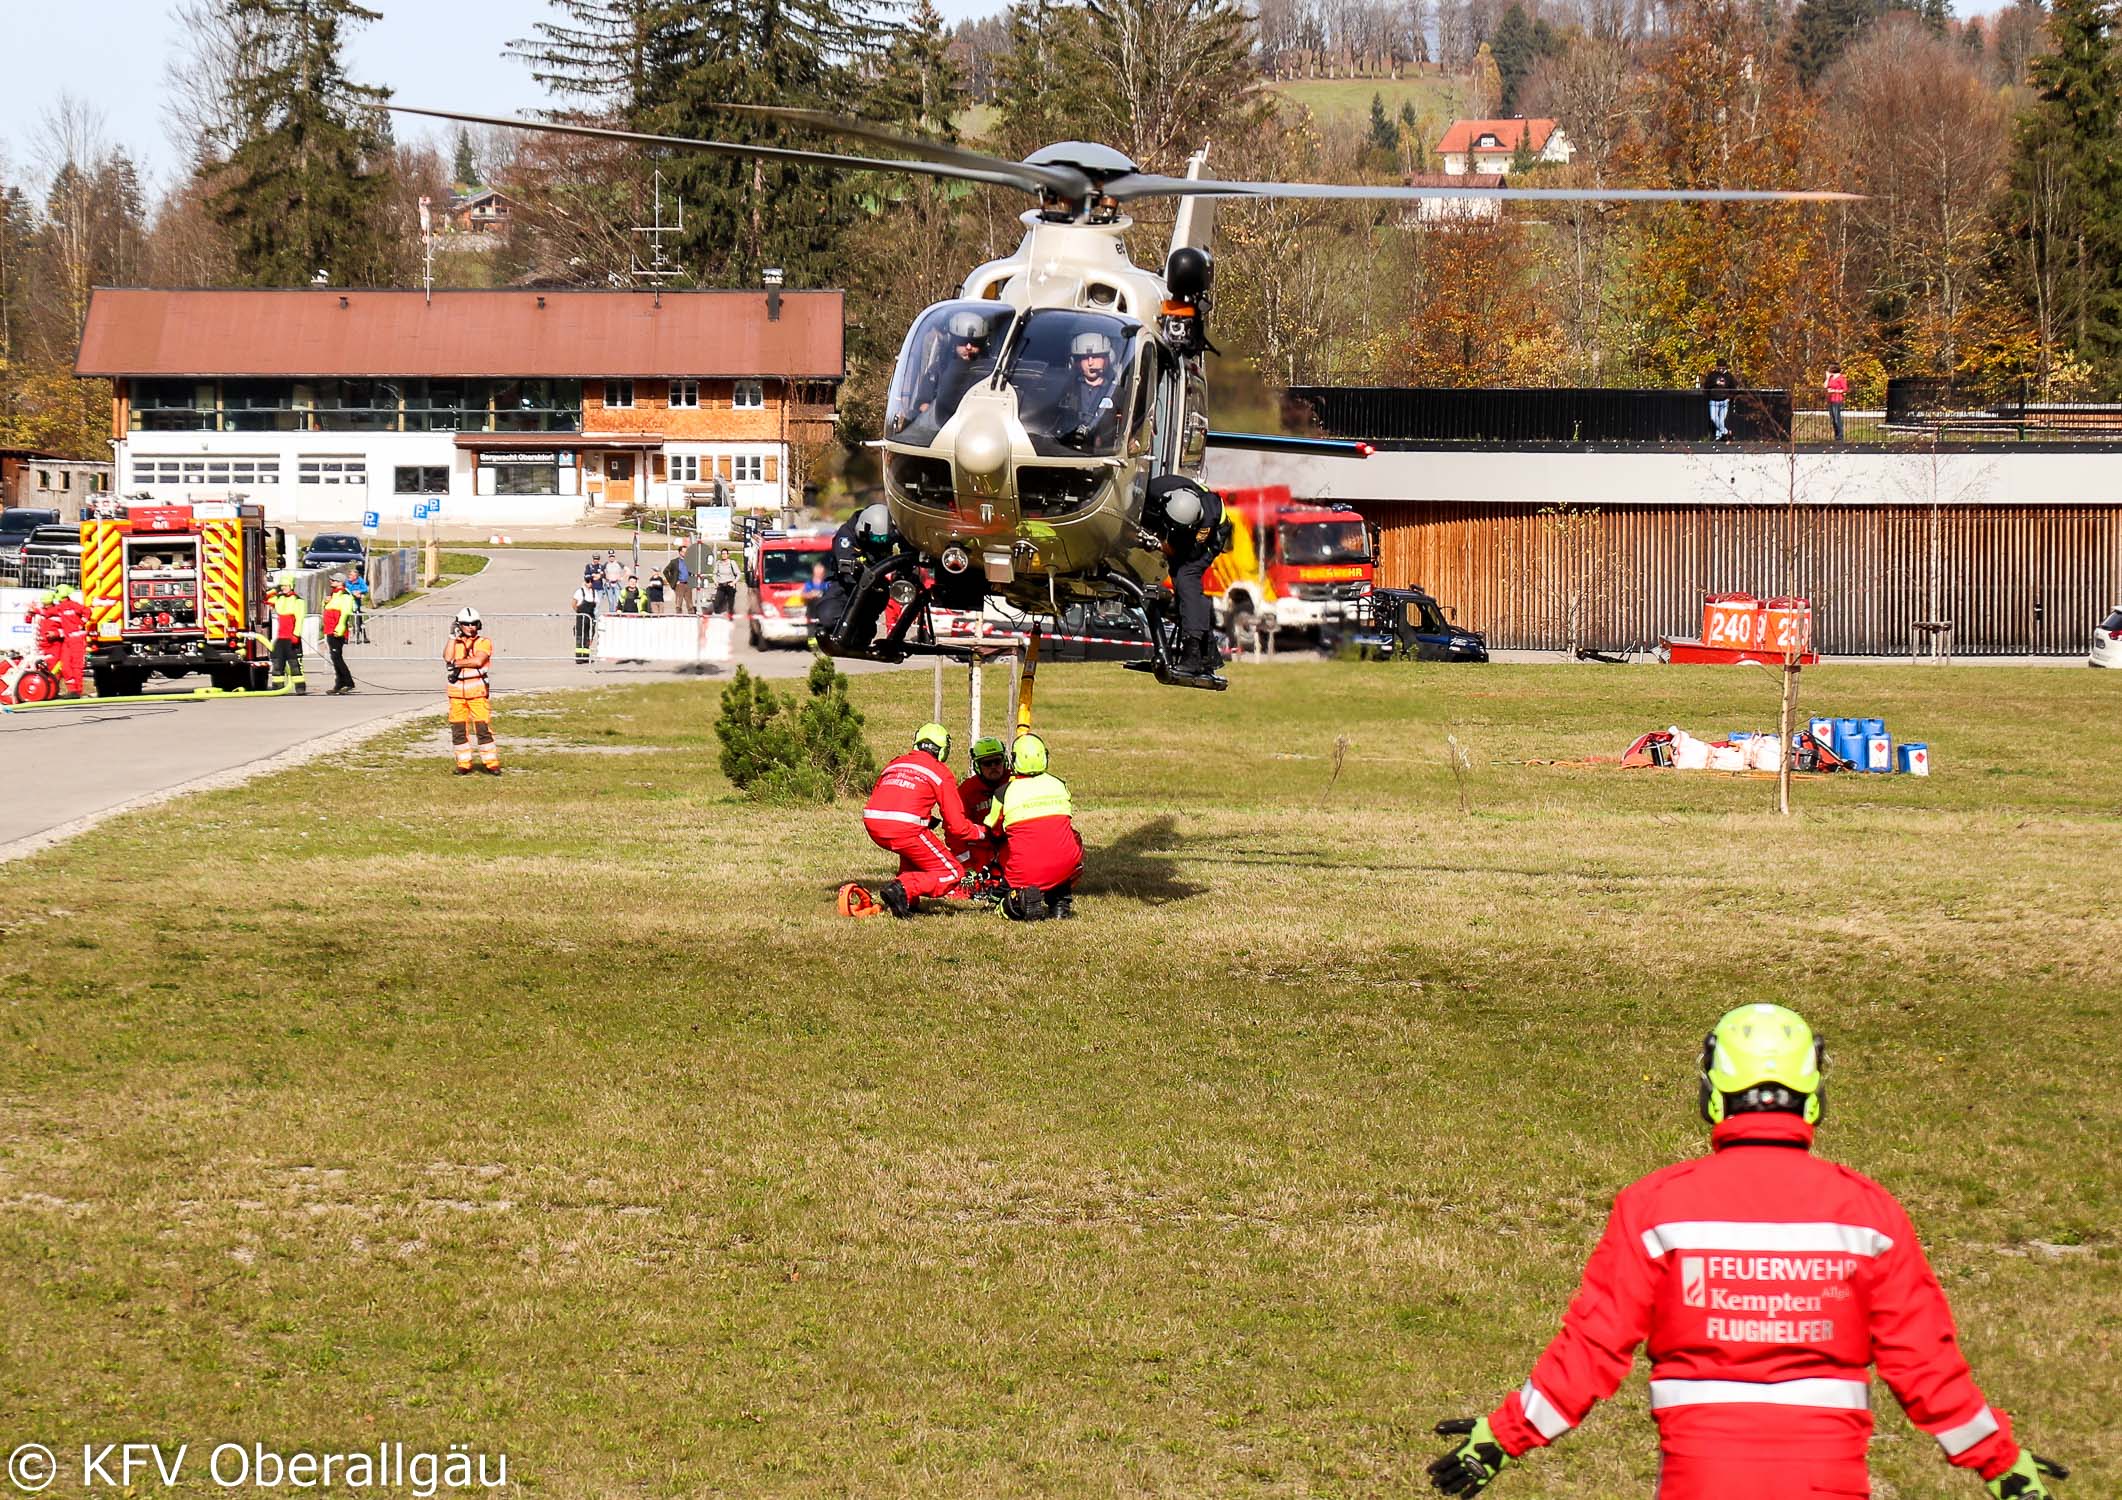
(371, 521)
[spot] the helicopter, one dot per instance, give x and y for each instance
(1027, 415)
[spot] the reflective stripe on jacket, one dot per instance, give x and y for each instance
(288, 614)
(914, 787)
(471, 659)
(1764, 1282)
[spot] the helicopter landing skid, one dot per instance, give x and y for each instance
(1159, 662)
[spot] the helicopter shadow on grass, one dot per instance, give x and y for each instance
(1130, 866)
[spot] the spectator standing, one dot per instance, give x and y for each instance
(585, 606)
(1718, 385)
(655, 593)
(358, 587)
(814, 600)
(680, 573)
(614, 576)
(631, 600)
(1837, 396)
(727, 576)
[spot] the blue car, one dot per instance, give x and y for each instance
(332, 548)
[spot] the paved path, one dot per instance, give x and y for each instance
(69, 768)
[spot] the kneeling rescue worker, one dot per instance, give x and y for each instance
(1765, 1280)
(978, 791)
(1042, 854)
(913, 790)
(471, 707)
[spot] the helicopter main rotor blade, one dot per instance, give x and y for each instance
(1066, 181)
(1153, 185)
(1001, 174)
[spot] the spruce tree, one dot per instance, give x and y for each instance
(463, 169)
(303, 193)
(2062, 208)
(595, 53)
(1514, 48)
(1382, 135)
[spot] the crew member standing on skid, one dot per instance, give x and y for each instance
(912, 793)
(339, 611)
(1189, 519)
(465, 661)
(1765, 1281)
(289, 612)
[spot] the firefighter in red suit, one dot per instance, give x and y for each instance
(914, 790)
(1042, 854)
(72, 610)
(1766, 1281)
(977, 793)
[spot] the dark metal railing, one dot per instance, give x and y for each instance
(1379, 413)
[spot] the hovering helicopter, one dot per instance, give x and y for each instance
(1027, 416)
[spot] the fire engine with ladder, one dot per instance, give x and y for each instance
(176, 589)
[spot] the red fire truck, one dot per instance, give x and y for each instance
(1292, 565)
(175, 589)
(778, 567)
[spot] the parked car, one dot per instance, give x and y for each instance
(2107, 640)
(15, 528)
(51, 557)
(331, 548)
(1408, 625)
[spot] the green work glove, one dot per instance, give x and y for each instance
(1473, 1466)
(2027, 1478)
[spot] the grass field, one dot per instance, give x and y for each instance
(559, 1116)
(1346, 101)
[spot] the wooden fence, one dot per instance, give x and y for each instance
(2007, 580)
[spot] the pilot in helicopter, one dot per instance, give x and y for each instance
(958, 366)
(865, 538)
(1188, 518)
(1089, 415)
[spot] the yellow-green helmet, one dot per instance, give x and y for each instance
(989, 747)
(1030, 757)
(1763, 1057)
(934, 738)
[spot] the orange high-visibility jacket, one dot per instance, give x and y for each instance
(470, 658)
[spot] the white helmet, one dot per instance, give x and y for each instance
(467, 616)
(1184, 507)
(874, 524)
(1090, 342)
(968, 326)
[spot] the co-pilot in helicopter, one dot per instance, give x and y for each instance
(1028, 416)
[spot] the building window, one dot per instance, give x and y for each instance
(217, 473)
(619, 394)
(331, 471)
(751, 469)
(685, 468)
(749, 395)
(684, 393)
(420, 479)
(526, 479)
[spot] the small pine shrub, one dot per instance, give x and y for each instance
(754, 730)
(792, 786)
(829, 733)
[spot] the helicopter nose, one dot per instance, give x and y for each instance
(983, 444)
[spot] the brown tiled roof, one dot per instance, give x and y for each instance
(139, 332)
(1464, 133)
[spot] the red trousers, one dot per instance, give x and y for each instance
(925, 865)
(73, 661)
(1764, 1478)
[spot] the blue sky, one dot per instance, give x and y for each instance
(111, 55)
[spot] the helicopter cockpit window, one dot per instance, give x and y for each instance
(1073, 373)
(951, 349)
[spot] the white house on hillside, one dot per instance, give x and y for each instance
(1491, 145)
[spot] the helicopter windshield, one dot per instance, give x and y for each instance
(1073, 373)
(949, 350)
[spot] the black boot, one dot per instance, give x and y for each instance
(893, 895)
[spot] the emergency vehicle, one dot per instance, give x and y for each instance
(777, 566)
(1292, 566)
(175, 589)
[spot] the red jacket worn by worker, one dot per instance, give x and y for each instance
(1040, 846)
(1764, 1281)
(914, 788)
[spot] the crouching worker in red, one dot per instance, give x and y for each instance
(977, 792)
(1765, 1281)
(1042, 854)
(914, 790)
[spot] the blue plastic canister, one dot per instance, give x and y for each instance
(1915, 758)
(1878, 753)
(1823, 732)
(1849, 741)
(1874, 726)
